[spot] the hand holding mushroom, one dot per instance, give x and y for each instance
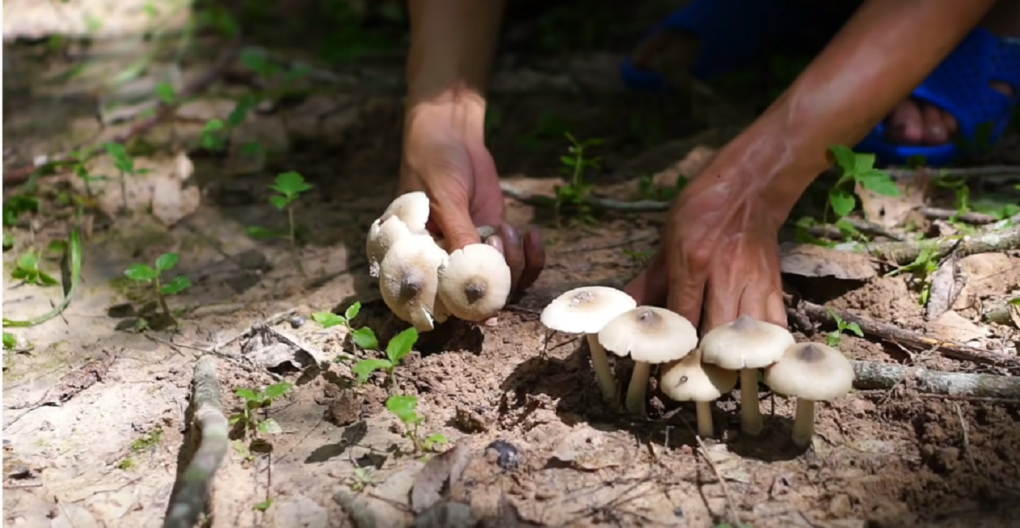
(420, 282)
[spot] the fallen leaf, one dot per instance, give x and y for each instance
(952, 326)
(984, 275)
(810, 260)
(946, 285)
(438, 475)
(892, 211)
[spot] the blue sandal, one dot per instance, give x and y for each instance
(731, 34)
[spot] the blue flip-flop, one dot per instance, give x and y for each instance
(731, 33)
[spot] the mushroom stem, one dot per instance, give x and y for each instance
(704, 410)
(636, 390)
(750, 414)
(804, 422)
(600, 362)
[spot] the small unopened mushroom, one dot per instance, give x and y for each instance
(381, 237)
(409, 281)
(585, 311)
(811, 372)
(474, 282)
(412, 208)
(690, 379)
(746, 345)
(649, 335)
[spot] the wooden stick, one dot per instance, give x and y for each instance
(884, 376)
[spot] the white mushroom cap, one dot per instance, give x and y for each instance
(692, 380)
(586, 310)
(412, 208)
(649, 334)
(745, 344)
(474, 282)
(408, 280)
(381, 236)
(811, 371)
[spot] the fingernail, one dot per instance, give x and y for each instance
(497, 243)
(510, 235)
(492, 321)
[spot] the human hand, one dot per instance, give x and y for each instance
(445, 157)
(719, 255)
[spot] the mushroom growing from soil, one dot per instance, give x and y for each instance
(746, 345)
(585, 311)
(474, 282)
(381, 237)
(409, 281)
(811, 372)
(649, 335)
(690, 379)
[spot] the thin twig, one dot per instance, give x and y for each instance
(895, 334)
(269, 321)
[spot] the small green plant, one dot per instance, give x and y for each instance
(406, 409)
(856, 168)
(17, 205)
(361, 479)
(148, 441)
(27, 269)
(153, 275)
(647, 190)
(289, 186)
(78, 166)
(640, 258)
(127, 464)
(10, 341)
(922, 267)
(256, 401)
(575, 193)
(833, 338)
(263, 506)
(363, 337)
(125, 164)
(396, 350)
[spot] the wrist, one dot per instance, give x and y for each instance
(454, 109)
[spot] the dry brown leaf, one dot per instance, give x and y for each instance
(952, 326)
(984, 275)
(892, 211)
(438, 475)
(810, 260)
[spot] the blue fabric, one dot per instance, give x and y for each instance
(732, 33)
(961, 87)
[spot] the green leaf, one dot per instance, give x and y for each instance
(327, 319)
(8, 241)
(863, 162)
(175, 286)
(276, 390)
(256, 60)
(262, 232)
(365, 338)
(10, 341)
(263, 506)
(845, 157)
(352, 311)
(855, 328)
(141, 273)
(116, 151)
(404, 407)
(401, 345)
(166, 93)
(290, 184)
(879, 182)
(249, 394)
(46, 279)
(241, 110)
(213, 125)
(842, 201)
(434, 440)
(167, 261)
(364, 368)
(28, 261)
(281, 201)
(270, 427)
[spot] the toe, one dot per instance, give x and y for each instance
(906, 124)
(934, 125)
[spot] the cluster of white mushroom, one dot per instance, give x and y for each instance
(420, 282)
(700, 371)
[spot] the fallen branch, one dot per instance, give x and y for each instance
(887, 332)
(991, 241)
(189, 501)
(884, 376)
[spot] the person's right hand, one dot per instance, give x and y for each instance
(445, 157)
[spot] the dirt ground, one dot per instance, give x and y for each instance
(540, 447)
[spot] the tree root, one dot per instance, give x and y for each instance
(884, 376)
(193, 485)
(895, 334)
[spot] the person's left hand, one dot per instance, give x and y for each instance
(719, 255)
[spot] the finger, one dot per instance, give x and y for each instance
(513, 252)
(495, 242)
(534, 258)
(651, 286)
(454, 221)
